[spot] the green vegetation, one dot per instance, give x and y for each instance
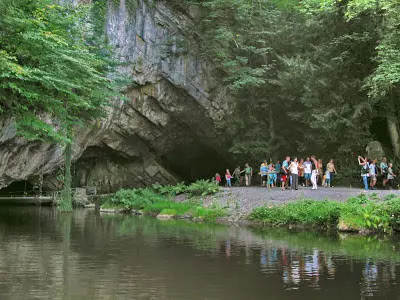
(159, 200)
(356, 214)
(317, 76)
(198, 188)
(52, 73)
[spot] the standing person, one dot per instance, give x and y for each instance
(301, 173)
(294, 174)
(228, 177)
(330, 167)
(217, 179)
(278, 167)
(320, 171)
(236, 176)
(364, 170)
(384, 171)
(248, 173)
(284, 171)
(307, 171)
(326, 179)
(314, 173)
(271, 176)
(264, 173)
(391, 175)
(372, 174)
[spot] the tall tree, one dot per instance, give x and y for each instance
(51, 79)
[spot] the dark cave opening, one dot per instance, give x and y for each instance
(379, 129)
(18, 188)
(193, 161)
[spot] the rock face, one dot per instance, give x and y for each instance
(164, 132)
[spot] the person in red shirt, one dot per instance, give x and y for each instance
(218, 179)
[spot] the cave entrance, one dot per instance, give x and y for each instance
(18, 188)
(192, 162)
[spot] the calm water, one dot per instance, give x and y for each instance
(45, 255)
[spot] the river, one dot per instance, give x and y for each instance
(47, 255)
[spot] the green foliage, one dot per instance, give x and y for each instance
(304, 74)
(52, 72)
(134, 198)
(209, 214)
(51, 76)
(307, 212)
(356, 214)
(157, 200)
(198, 188)
(202, 188)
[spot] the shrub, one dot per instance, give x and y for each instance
(133, 198)
(198, 188)
(308, 212)
(203, 188)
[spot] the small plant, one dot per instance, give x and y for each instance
(203, 188)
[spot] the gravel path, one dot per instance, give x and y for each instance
(242, 200)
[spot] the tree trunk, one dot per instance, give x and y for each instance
(271, 124)
(393, 124)
(66, 201)
(393, 128)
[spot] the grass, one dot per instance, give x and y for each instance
(356, 214)
(159, 200)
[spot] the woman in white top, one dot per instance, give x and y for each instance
(294, 173)
(314, 173)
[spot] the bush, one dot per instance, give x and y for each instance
(356, 214)
(198, 188)
(203, 188)
(307, 212)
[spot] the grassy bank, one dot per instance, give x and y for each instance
(160, 200)
(358, 214)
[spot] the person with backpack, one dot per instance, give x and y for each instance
(363, 162)
(384, 171)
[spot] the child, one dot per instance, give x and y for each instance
(326, 181)
(228, 178)
(217, 179)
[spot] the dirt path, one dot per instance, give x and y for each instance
(242, 200)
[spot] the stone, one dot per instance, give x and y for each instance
(375, 150)
(165, 217)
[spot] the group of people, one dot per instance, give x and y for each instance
(289, 173)
(292, 173)
(370, 172)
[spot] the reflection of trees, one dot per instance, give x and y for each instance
(105, 256)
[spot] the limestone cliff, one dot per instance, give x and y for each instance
(164, 132)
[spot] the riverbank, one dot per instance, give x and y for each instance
(336, 208)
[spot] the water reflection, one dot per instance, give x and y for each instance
(47, 255)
